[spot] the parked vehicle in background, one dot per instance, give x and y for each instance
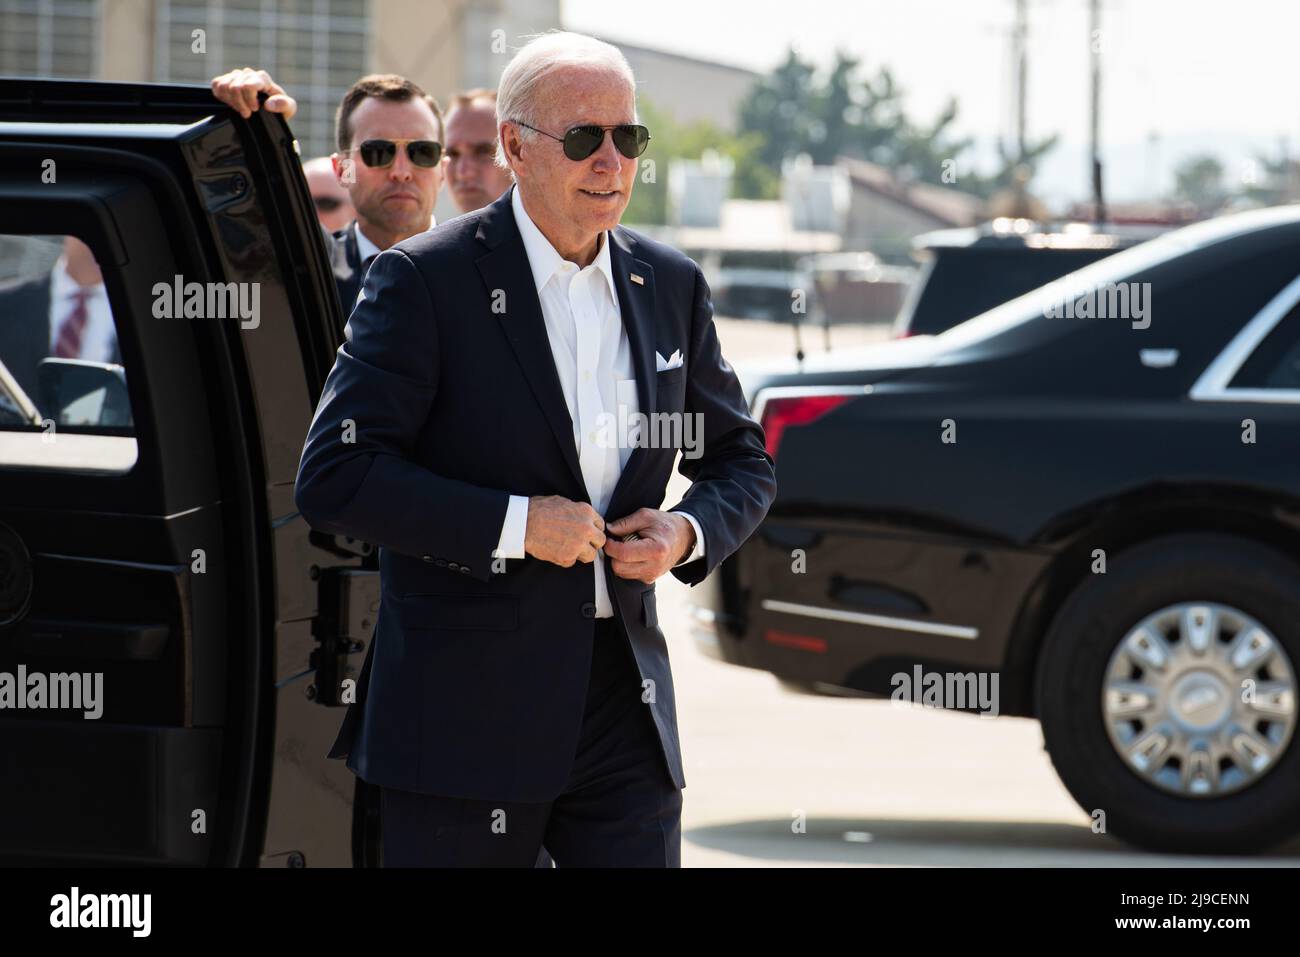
(1103, 512)
(761, 284)
(856, 287)
(965, 272)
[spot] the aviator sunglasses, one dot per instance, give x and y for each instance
(381, 153)
(581, 141)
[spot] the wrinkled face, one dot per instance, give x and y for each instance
(574, 201)
(396, 199)
(473, 176)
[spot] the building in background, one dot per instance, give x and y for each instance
(688, 88)
(314, 48)
(886, 212)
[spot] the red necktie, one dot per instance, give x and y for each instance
(68, 345)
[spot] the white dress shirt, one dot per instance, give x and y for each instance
(366, 249)
(99, 335)
(594, 361)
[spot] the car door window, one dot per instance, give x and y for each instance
(64, 402)
(1275, 363)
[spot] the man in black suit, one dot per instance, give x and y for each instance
(64, 313)
(389, 134)
(517, 691)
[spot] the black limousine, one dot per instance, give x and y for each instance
(1091, 491)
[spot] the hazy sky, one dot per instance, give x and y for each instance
(1201, 75)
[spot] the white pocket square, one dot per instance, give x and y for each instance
(672, 362)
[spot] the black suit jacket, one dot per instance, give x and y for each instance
(25, 330)
(474, 683)
(345, 259)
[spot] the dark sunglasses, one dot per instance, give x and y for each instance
(381, 153)
(327, 204)
(581, 141)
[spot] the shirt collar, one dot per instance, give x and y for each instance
(366, 249)
(543, 258)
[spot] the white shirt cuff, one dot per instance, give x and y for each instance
(698, 550)
(513, 529)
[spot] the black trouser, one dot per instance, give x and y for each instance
(620, 807)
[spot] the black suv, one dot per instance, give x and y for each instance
(967, 271)
(151, 557)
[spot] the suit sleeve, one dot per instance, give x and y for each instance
(734, 479)
(356, 476)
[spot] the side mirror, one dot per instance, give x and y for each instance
(78, 392)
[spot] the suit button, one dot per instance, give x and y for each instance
(441, 563)
(588, 609)
(428, 558)
(453, 566)
(464, 569)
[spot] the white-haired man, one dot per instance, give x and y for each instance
(517, 691)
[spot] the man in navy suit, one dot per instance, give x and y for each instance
(517, 691)
(392, 202)
(63, 314)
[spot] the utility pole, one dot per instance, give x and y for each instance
(1021, 54)
(1095, 45)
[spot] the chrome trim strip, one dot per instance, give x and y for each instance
(1212, 386)
(879, 621)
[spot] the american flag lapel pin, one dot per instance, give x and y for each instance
(637, 279)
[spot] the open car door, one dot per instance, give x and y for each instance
(173, 637)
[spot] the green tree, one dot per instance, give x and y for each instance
(1199, 180)
(846, 114)
(1268, 186)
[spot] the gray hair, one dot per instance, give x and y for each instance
(520, 86)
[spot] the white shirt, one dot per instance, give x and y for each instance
(98, 336)
(594, 361)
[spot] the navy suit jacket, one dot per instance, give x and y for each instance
(474, 683)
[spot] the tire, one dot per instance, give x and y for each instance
(1075, 662)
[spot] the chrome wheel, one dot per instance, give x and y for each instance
(1199, 699)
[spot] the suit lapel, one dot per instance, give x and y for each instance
(345, 257)
(636, 302)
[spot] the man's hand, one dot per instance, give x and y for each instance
(562, 531)
(663, 539)
(238, 89)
